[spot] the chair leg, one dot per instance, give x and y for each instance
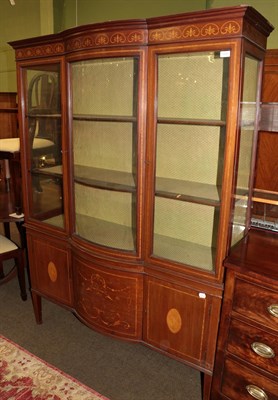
(21, 275)
(2, 275)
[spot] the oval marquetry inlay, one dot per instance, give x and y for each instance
(52, 271)
(174, 320)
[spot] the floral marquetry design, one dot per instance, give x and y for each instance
(136, 37)
(210, 30)
(117, 38)
(230, 27)
(173, 34)
(191, 32)
(102, 39)
(40, 51)
(108, 301)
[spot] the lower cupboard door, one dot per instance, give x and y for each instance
(177, 322)
(50, 269)
(109, 300)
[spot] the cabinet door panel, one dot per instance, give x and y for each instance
(176, 319)
(50, 269)
(111, 301)
(105, 127)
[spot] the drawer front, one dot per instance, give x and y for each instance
(109, 300)
(50, 269)
(254, 345)
(257, 303)
(240, 382)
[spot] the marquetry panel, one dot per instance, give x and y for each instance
(194, 31)
(42, 50)
(171, 329)
(103, 39)
(109, 300)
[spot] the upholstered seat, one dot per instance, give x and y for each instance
(12, 145)
(8, 251)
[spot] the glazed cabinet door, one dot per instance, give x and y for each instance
(42, 142)
(201, 154)
(247, 144)
(187, 140)
(107, 146)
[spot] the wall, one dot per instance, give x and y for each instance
(37, 17)
(268, 8)
(26, 19)
(105, 10)
(79, 12)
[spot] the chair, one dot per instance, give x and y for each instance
(8, 251)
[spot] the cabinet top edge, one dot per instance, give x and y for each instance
(214, 15)
(256, 253)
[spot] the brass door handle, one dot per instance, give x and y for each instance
(256, 392)
(273, 310)
(263, 350)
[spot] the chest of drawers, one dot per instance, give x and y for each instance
(246, 364)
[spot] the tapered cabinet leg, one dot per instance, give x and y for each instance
(206, 386)
(37, 306)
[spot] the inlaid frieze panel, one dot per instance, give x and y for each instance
(194, 31)
(54, 49)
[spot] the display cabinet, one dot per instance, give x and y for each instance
(157, 121)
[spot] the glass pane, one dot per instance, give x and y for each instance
(104, 97)
(187, 81)
(43, 124)
(248, 116)
(97, 221)
(192, 102)
(185, 232)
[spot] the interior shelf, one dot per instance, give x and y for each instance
(105, 233)
(185, 252)
(43, 115)
(104, 178)
(195, 192)
(54, 171)
(112, 118)
(191, 121)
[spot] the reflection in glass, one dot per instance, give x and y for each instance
(248, 119)
(43, 120)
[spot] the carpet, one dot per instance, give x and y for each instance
(23, 376)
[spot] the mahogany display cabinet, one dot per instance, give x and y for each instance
(131, 214)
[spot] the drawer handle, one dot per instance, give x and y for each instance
(263, 350)
(256, 392)
(273, 310)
